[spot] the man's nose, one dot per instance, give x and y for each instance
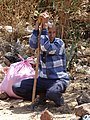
(52, 35)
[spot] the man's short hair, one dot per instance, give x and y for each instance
(51, 24)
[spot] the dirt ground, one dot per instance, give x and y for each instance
(18, 109)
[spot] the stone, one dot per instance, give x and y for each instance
(83, 98)
(46, 115)
(82, 110)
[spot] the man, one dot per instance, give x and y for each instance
(52, 79)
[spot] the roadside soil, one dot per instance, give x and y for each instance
(18, 109)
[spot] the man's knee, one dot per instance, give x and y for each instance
(16, 89)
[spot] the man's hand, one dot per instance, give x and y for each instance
(43, 19)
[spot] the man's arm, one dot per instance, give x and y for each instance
(54, 47)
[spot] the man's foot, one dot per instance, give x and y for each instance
(40, 101)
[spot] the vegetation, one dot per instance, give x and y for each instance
(70, 16)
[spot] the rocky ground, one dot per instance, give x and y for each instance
(18, 109)
(78, 92)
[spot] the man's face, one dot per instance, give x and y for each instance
(51, 33)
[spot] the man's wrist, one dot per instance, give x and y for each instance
(45, 26)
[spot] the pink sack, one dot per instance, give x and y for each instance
(16, 73)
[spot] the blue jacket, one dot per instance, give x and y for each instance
(52, 63)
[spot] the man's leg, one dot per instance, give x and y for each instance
(24, 88)
(41, 99)
(54, 93)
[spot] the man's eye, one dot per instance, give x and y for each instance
(49, 32)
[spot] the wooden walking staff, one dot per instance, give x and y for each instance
(37, 62)
(40, 19)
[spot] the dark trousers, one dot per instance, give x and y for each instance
(52, 88)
